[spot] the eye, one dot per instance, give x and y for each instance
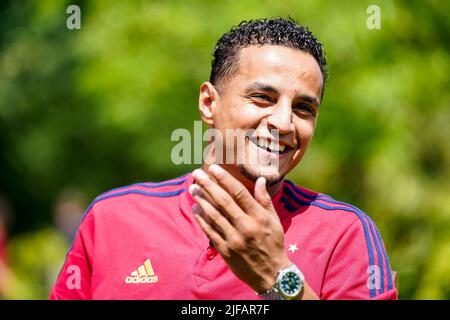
(262, 97)
(302, 107)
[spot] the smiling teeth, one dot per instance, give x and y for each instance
(272, 145)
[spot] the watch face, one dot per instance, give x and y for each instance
(290, 284)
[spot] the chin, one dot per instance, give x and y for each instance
(252, 172)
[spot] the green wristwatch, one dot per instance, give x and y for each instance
(288, 285)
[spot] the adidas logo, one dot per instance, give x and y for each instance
(143, 274)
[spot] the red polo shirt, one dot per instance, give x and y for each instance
(143, 242)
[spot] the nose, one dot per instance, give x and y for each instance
(281, 118)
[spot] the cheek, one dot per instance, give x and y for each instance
(237, 115)
(305, 131)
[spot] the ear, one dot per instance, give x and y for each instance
(207, 102)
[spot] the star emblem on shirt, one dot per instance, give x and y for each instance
(293, 247)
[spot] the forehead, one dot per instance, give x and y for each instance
(287, 69)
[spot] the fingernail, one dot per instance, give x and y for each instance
(199, 174)
(194, 189)
(196, 208)
(216, 169)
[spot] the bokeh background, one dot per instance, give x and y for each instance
(83, 111)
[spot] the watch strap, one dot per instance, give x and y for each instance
(274, 292)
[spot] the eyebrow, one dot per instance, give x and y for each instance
(262, 86)
(268, 88)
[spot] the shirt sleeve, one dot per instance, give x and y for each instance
(359, 267)
(74, 279)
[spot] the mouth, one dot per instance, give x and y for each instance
(270, 145)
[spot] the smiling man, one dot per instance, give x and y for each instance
(238, 230)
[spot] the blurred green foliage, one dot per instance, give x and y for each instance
(94, 109)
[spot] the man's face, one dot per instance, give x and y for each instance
(274, 88)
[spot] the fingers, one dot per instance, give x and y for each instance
(219, 197)
(210, 214)
(235, 188)
(263, 197)
(194, 189)
(261, 194)
(212, 234)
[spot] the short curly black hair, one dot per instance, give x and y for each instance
(273, 31)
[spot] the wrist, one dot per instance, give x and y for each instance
(270, 280)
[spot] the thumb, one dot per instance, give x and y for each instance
(261, 194)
